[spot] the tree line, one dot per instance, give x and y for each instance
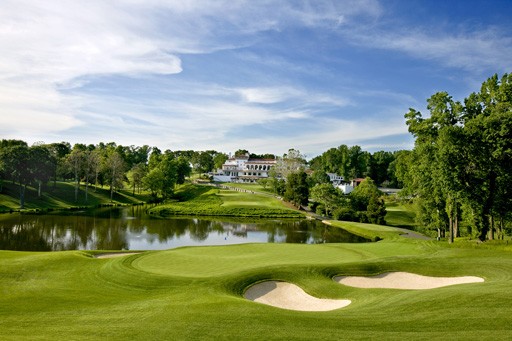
(460, 170)
(104, 164)
(354, 162)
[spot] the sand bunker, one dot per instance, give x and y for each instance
(289, 296)
(403, 280)
(115, 254)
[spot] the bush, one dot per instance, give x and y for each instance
(362, 217)
(320, 209)
(344, 213)
(312, 205)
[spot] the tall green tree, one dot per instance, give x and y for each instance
(462, 157)
(297, 189)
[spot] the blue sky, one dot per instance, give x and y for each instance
(259, 75)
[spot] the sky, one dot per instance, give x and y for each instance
(265, 76)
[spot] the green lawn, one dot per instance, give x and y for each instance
(250, 187)
(206, 200)
(400, 215)
(197, 293)
(63, 196)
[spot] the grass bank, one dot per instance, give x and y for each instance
(199, 200)
(62, 196)
(400, 215)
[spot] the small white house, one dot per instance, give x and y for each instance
(335, 178)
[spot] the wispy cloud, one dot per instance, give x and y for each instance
(476, 50)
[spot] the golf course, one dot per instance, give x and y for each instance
(198, 292)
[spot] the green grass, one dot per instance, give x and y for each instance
(250, 187)
(400, 216)
(63, 197)
(200, 200)
(197, 293)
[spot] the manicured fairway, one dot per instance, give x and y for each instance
(197, 293)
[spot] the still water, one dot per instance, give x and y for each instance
(131, 228)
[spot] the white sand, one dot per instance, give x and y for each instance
(403, 280)
(289, 296)
(115, 254)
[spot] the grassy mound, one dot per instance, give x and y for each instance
(199, 200)
(62, 196)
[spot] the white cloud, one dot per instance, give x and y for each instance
(267, 95)
(474, 51)
(50, 46)
(324, 134)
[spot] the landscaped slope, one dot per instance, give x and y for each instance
(62, 196)
(210, 201)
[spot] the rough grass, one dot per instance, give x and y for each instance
(199, 200)
(197, 293)
(63, 197)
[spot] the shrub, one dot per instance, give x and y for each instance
(312, 206)
(362, 217)
(344, 213)
(320, 209)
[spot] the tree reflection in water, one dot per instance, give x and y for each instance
(118, 228)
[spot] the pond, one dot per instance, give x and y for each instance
(131, 228)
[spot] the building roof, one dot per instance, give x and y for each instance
(256, 160)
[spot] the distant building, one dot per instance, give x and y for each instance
(242, 168)
(347, 187)
(335, 178)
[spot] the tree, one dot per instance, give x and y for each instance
(297, 190)
(241, 152)
(203, 163)
(75, 159)
(91, 164)
(376, 210)
(317, 178)
(462, 158)
(116, 168)
(360, 197)
(183, 169)
(41, 164)
(154, 180)
(291, 162)
(219, 160)
(15, 160)
(58, 152)
(326, 193)
(169, 167)
(137, 175)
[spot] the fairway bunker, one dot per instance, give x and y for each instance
(114, 254)
(289, 296)
(403, 280)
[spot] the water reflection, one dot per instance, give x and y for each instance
(131, 228)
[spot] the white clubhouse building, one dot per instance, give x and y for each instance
(242, 168)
